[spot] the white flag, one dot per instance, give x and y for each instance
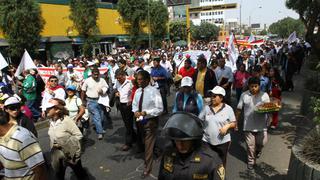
(3, 62)
(25, 64)
(251, 38)
(292, 38)
(232, 53)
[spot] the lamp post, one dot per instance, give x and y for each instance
(250, 16)
(240, 6)
(149, 29)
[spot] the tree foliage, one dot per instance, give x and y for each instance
(263, 32)
(178, 30)
(159, 18)
(206, 31)
(309, 13)
(21, 23)
(286, 26)
(84, 15)
(134, 15)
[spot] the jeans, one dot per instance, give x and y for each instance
(96, 114)
(163, 92)
(31, 105)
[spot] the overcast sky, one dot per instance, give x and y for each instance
(270, 12)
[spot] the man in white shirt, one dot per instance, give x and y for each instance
(93, 88)
(225, 78)
(147, 106)
(124, 90)
(52, 91)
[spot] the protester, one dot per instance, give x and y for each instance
(255, 124)
(75, 107)
(53, 90)
(218, 118)
(92, 89)
(12, 107)
(21, 155)
(147, 106)
(224, 78)
(241, 77)
(29, 91)
(204, 79)
(276, 88)
(124, 90)
(160, 75)
(187, 99)
(187, 69)
(65, 139)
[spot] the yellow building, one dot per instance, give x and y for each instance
(59, 39)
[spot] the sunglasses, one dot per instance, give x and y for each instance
(53, 80)
(13, 107)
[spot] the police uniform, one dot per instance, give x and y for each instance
(201, 163)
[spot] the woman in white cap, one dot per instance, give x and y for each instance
(218, 118)
(187, 99)
(65, 139)
(12, 107)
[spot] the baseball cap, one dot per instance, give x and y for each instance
(11, 101)
(90, 63)
(218, 90)
(51, 103)
(69, 66)
(186, 81)
(71, 87)
(188, 56)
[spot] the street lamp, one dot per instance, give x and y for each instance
(240, 6)
(250, 16)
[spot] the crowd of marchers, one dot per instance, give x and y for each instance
(213, 96)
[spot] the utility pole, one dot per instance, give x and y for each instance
(188, 26)
(149, 30)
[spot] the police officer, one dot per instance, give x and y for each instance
(188, 159)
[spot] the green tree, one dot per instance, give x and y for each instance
(21, 23)
(178, 30)
(286, 26)
(159, 18)
(309, 13)
(263, 32)
(84, 15)
(206, 32)
(134, 15)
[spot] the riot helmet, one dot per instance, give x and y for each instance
(183, 126)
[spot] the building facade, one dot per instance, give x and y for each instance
(60, 39)
(216, 17)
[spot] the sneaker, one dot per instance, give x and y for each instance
(273, 127)
(100, 136)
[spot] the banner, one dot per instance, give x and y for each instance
(193, 57)
(46, 72)
(232, 53)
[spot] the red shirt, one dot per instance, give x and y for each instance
(240, 78)
(184, 72)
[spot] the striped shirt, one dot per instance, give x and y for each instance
(19, 154)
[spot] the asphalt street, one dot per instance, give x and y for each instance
(104, 160)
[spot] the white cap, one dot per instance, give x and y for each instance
(69, 66)
(186, 81)
(218, 90)
(110, 58)
(11, 100)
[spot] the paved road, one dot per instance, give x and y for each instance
(104, 160)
